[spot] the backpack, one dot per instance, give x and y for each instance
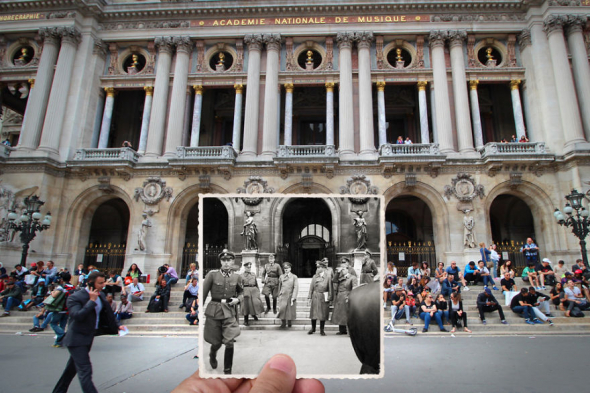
(576, 313)
(60, 302)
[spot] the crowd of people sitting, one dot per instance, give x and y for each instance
(436, 296)
(49, 288)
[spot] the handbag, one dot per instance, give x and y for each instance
(128, 280)
(490, 264)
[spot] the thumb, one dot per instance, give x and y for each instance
(277, 376)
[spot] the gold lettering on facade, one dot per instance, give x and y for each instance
(18, 17)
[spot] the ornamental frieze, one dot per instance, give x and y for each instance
(153, 191)
(463, 187)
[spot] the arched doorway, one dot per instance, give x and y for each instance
(512, 222)
(409, 233)
(307, 236)
(107, 241)
(190, 250)
(215, 238)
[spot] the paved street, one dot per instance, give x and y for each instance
(413, 364)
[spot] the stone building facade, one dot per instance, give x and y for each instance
(116, 109)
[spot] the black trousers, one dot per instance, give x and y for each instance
(79, 363)
(484, 309)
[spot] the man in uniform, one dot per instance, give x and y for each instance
(369, 269)
(252, 304)
(345, 282)
(221, 324)
(271, 273)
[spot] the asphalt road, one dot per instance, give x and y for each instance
(413, 364)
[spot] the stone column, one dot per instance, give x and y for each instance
(462, 118)
(237, 131)
(197, 108)
(366, 130)
(186, 123)
(105, 128)
(178, 100)
(329, 113)
(56, 107)
(441, 92)
(160, 101)
(517, 108)
(288, 139)
(422, 103)
(381, 113)
(475, 114)
(269, 122)
(566, 93)
(97, 120)
(254, 42)
(38, 97)
(145, 120)
(346, 110)
(433, 114)
(581, 68)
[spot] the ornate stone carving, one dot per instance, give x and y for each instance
(240, 58)
(554, 23)
(471, 62)
(50, 34)
(164, 44)
(456, 37)
(344, 39)
(363, 38)
(420, 51)
(306, 182)
(144, 25)
(205, 183)
(254, 41)
(437, 38)
(576, 23)
(410, 180)
(358, 185)
(71, 35)
(379, 51)
(104, 184)
(515, 179)
(360, 227)
(524, 39)
(183, 44)
(254, 185)
(7, 203)
(201, 56)
(150, 64)
(290, 63)
(511, 50)
(472, 17)
(468, 233)
(100, 48)
(141, 236)
(153, 191)
(114, 50)
(329, 54)
(564, 3)
(272, 41)
(463, 187)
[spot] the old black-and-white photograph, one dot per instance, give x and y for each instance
(292, 274)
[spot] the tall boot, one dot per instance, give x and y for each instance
(246, 320)
(213, 356)
(283, 323)
(267, 303)
(274, 305)
(289, 323)
(313, 325)
(228, 360)
(341, 330)
(322, 324)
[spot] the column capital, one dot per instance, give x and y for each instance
(456, 37)
(254, 41)
(164, 44)
(50, 34)
(422, 85)
(149, 90)
(329, 87)
(437, 38)
(289, 87)
(71, 35)
(575, 23)
(110, 91)
(524, 38)
(183, 44)
(554, 23)
(345, 39)
(198, 89)
(363, 38)
(100, 48)
(473, 84)
(32, 83)
(239, 88)
(381, 86)
(514, 84)
(272, 41)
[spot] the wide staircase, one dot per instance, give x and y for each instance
(174, 323)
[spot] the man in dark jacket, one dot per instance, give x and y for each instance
(486, 302)
(90, 315)
(11, 296)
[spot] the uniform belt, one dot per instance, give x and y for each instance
(246, 286)
(269, 276)
(221, 300)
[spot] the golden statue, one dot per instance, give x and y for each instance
(399, 57)
(221, 60)
(135, 61)
(489, 54)
(309, 57)
(24, 55)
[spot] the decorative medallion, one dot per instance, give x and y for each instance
(254, 185)
(153, 191)
(463, 187)
(358, 185)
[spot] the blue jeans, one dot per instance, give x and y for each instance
(396, 312)
(527, 311)
(444, 316)
(10, 302)
(495, 270)
(123, 315)
(488, 280)
(426, 317)
(58, 324)
(170, 280)
(46, 320)
(192, 318)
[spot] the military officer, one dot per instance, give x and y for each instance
(369, 269)
(252, 304)
(221, 324)
(271, 273)
(345, 282)
(320, 296)
(288, 290)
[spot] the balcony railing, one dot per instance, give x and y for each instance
(306, 151)
(114, 154)
(422, 149)
(514, 149)
(206, 153)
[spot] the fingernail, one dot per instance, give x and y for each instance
(282, 363)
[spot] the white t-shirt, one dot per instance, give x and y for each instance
(139, 288)
(571, 294)
(484, 270)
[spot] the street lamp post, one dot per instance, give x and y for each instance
(577, 218)
(29, 223)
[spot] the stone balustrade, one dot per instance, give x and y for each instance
(205, 153)
(115, 154)
(513, 149)
(307, 151)
(390, 149)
